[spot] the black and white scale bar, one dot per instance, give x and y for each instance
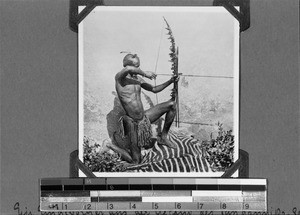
(95, 187)
(73, 187)
(52, 187)
(65, 193)
(140, 187)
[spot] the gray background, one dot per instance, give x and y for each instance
(39, 97)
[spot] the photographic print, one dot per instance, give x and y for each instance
(158, 91)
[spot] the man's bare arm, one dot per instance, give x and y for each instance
(159, 88)
(134, 70)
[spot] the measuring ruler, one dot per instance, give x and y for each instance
(153, 194)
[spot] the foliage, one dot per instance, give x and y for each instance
(97, 160)
(219, 151)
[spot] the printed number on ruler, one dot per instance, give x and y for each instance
(223, 206)
(200, 206)
(87, 207)
(246, 206)
(53, 206)
(110, 206)
(64, 206)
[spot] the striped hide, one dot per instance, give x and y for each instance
(187, 157)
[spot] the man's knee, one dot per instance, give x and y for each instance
(172, 105)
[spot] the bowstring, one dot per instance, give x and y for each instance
(156, 63)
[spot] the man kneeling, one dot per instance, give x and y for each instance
(136, 124)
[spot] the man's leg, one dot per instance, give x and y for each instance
(135, 149)
(131, 131)
(124, 154)
(154, 113)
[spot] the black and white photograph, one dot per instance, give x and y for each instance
(158, 90)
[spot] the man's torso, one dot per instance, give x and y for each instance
(129, 92)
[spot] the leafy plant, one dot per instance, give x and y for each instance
(219, 151)
(100, 161)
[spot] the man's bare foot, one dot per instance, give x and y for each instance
(107, 145)
(163, 140)
(125, 165)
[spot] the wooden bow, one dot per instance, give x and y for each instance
(174, 59)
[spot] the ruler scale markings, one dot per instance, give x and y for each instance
(208, 206)
(118, 206)
(101, 206)
(156, 194)
(79, 206)
(184, 206)
(255, 206)
(139, 206)
(162, 206)
(231, 206)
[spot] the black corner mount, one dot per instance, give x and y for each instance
(243, 16)
(74, 17)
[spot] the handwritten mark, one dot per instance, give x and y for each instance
(20, 212)
(295, 211)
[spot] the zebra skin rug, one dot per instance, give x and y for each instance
(187, 157)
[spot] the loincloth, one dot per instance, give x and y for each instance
(140, 127)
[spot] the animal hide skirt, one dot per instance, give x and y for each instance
(136, 128)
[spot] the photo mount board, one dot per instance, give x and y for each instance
(158, 11)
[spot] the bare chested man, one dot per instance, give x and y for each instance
(136, 124)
